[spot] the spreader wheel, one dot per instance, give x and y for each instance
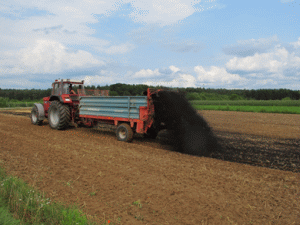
(124, 132)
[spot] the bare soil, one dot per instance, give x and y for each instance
(254, 181)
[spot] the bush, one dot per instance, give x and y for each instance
(203, 96)
(234, 97)
(23, 104)
(126, 93)
(192, 96)
(286, 99)
(3, 102)
(113, 93)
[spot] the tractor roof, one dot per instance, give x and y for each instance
(70, 81)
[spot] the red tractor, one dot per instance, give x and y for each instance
(62, 106)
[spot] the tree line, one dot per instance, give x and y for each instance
(120, 89)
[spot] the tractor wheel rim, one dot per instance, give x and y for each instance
(122, 133)
(54, 116)
(34, 117)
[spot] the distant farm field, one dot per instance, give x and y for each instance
(239, 108)
(15, 103)
(248, 102)
(269, 106)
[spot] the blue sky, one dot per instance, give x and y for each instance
(176, 43)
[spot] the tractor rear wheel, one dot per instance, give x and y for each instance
(124, 132)
(59, 115)
(35, 116)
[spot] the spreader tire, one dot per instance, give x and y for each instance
(59, 115)
(35, 116)
(124, 132)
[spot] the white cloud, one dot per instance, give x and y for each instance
(183, 80)
(174, 69)
(22, 83)
(251, 46)
(145, 11)
(294, 61)
(99, 79)
(274, 62)
(286, 1)
(266, 81)
(119, 49)
(296, 44)
(216, 75)
(182, 46)
(162, 12)
(68, 22)
(44, 29)
(278, 67)
(16, 34)
(145, 76)
(259, 42)
(256, 62)
(160, 74)
(187, 80)
(146, 73)
(46, 56)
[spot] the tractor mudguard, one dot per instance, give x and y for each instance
(41, 112)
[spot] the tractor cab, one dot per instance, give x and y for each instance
(65, 91)
(67, 87)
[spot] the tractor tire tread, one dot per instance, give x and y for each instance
(64, 114)
(129, 136)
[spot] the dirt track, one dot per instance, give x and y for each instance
(171, 188)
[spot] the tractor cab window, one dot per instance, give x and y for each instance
(59, 89)
(80, 89)
(66, 89)
(55, 89)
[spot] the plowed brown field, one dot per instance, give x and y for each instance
(143, 182)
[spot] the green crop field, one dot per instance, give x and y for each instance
(269, 106)
(12, 103)
(247, 102)
(242, 108)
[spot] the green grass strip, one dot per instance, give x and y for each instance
(261, 109)
(31, 207)
(248, 102)
(6, 217)
(7, 103)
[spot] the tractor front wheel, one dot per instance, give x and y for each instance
(124, 132)
(35, 116)
(59, 115)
